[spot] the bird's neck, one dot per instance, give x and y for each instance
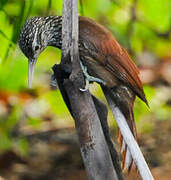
(52, 34)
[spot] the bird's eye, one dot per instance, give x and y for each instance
(36, 48)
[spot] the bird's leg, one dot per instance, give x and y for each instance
(89, 78)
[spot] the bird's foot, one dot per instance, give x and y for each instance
(53, 82)
(89, 78)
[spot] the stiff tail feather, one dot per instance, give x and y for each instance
(124, 98)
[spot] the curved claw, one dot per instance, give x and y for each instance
(86, 86)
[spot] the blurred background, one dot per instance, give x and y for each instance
(37, 135)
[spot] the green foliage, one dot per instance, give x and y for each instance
(22, 146)
(13, 74)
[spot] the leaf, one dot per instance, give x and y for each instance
(2, 3)
(4, 35)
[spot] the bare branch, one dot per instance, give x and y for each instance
(102, 113)
(94, 150)
(129, 139)
(66, 30)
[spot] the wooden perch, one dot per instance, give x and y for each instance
(129, 139)
(101, 109)
(102, 113)
(94, 150)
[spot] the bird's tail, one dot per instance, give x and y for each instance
(124, 99)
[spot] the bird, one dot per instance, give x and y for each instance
(101, 57)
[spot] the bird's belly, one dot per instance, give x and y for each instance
(97, 70)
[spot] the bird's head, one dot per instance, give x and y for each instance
(31, 44)
(36, 34)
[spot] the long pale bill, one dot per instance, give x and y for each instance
(31, 67)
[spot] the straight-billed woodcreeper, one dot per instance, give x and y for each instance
(105, 59)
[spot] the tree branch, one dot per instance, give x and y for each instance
(102, 113)
(94, 150)
(60, 75)
(129, 139)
